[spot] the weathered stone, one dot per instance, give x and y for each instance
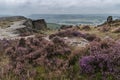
(32, 26)
(39, 24)
(109, 19)
(28, 23)
(26, 31)
(36, 24)
(110, 22)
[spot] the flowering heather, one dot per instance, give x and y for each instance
(37, 52)
(76, 33)
(103, 57)
(67, 33)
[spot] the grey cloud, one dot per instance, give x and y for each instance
(59, 6)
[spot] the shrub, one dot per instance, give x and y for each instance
(87, 28)
(103, 57)
(91, 37)
(67, 33)
(37, 52)
(75, 33)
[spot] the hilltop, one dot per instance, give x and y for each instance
(31, 50)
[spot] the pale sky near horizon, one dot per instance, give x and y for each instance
(26, 7)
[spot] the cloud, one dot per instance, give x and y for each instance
(59, 6)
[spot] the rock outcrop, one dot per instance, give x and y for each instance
(39, 24)
(26, 31)
(110, 22)
(36, 24)
(28, 23)
(32, 26)
(109, 19)
(110, 25)
(16, 26)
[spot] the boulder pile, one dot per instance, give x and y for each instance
(110, 25)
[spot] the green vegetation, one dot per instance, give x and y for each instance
(53, 26)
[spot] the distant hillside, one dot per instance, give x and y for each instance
(53, 26)
(73, 19)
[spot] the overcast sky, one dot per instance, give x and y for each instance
(27, 7)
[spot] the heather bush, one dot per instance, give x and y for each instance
(86, 28)
(27, 54)
(67, 33)
(37, 58)
(103, 57)
(91, 37)
(76, 33)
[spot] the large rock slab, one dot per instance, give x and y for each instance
(39, 24)
(32, 26)
(28, 23)
(109, 19)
